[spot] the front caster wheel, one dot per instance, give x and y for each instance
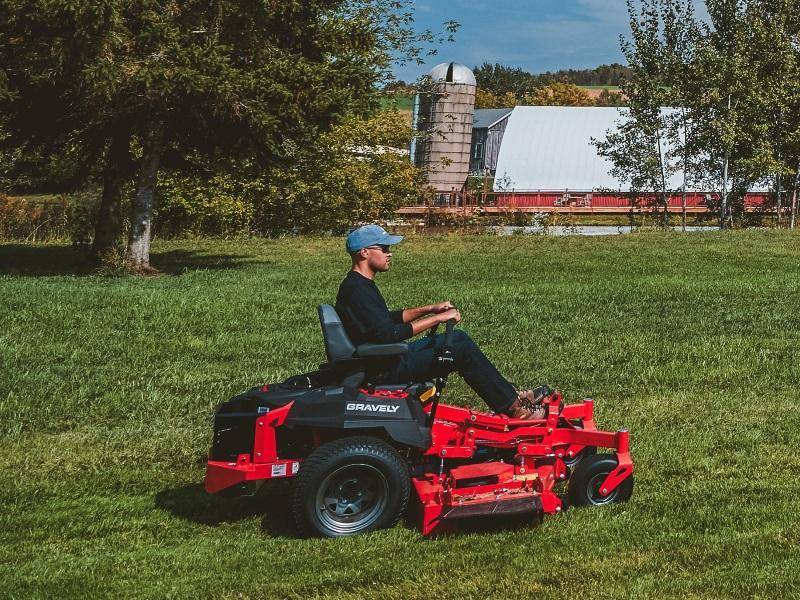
(572, 462)
(350, 486)
(589, 474)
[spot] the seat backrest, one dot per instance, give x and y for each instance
(337, 345)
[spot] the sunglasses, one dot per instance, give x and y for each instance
(382, 247)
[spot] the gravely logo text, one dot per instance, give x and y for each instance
(386, 408)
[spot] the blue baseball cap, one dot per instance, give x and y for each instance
(370, 235)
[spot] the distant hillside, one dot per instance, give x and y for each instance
(400, 101)
(500, 80)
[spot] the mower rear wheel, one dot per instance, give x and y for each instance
(350, 486)
(589, 474)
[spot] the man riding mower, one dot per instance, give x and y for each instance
(359, 433)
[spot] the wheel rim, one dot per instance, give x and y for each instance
(593, 490)
(352, 498)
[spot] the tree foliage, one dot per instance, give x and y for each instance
(637, 147)
(487, 99)
(560, 94)
(360, 173)
(554, 94)
(500, 80)
(137, 87)
(734, 83)
(357, 173)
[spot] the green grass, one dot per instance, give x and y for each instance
(398, 101)
(107, 385)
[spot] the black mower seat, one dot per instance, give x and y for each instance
(349, 361)
(338, 346)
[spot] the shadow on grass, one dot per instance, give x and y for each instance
(22, 259)
(177, 262)
(487, 524)
(194, 504)
(51, 260)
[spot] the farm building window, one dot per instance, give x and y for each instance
(478, 154)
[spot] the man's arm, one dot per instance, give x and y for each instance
(412, 314)
(433, 320)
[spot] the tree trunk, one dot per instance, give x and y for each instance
(138, 256)
(685, 168)
(793, 216)
(683, 207)
(664, 198)
(108, 225)
(723, 206)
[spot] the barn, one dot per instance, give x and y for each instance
(547, 159)
(540, 158)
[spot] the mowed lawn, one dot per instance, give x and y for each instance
(107, 387)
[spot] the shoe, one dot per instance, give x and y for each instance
(518, 411)
(534, 397)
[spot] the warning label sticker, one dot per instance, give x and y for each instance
(279, 470)
(295, 468)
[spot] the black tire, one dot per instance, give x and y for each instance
(584, 485)
(571, 463)
(350, 486)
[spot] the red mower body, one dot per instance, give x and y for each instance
(462, 463)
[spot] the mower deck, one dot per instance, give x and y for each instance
(524, 459)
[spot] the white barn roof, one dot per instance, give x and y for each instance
(486, 117)
(549, 148)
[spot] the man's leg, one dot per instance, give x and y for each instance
(468, 360)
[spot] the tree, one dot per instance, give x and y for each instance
(637, 146)
(775, 56)
(610, 98)
(486, 99)
(733, 82)
(500, 80)
(359, 172)
(681, 31)
(560, 94)
(156, 80)
(734, 117)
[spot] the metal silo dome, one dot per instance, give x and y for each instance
(452, 72)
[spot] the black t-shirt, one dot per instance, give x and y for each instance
(364, 313)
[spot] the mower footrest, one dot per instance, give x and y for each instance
(509, 505)
(221, 475)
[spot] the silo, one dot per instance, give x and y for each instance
(444, 113)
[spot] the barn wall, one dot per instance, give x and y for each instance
(493, 140)
(477, 165)
(605, 200)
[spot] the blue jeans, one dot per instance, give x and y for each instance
(468, 361)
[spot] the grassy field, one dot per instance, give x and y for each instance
(107, 385)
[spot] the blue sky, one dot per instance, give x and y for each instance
(537, 35)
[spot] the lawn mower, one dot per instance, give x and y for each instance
(355, 448)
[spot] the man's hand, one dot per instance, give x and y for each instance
(441, 307)
(427, 317)
(452, 313)
(412, 314)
